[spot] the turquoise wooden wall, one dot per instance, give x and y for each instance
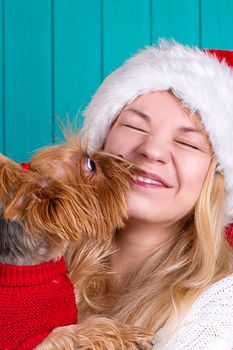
(55, 53)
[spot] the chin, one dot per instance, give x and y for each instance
(154, 215)
(147, 214)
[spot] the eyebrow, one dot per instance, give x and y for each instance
(140, 113)
(187, 129)
(184, 129)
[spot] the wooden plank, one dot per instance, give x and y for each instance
(1, 80)
(77, 55)
(217, 27)
(126, 28)
(176, 19)
(27, 76)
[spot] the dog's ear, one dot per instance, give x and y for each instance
(10, 176)
(45, 205)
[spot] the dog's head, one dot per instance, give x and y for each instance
(65, 194)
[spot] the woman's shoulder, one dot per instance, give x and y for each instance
(209, 323)
(219, 293)
(223, 284)
(214, 304)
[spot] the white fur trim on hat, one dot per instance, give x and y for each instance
(202, 82)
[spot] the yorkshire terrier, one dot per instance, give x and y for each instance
(59, 199)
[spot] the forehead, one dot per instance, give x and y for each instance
(165, 106)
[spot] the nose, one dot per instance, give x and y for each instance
(155, 149)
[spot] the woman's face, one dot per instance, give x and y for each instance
(171, 155)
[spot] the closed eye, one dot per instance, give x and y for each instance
(133, 127)
(188, 145)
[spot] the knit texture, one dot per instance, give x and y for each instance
(209, 323)
(33, 301)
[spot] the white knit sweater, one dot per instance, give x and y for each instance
(209, 323)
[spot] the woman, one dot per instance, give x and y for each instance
(169, 111)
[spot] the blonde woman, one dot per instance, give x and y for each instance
(169, 111)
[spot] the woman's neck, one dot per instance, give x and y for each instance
(135, 241)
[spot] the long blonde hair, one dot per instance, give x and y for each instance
(159, 292)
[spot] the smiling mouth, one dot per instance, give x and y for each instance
(146, 180)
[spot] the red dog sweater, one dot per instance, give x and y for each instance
(33, 301)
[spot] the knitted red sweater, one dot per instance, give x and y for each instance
(33, 301)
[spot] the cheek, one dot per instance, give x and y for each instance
(194, 174)
(119, 142)
(112, 143)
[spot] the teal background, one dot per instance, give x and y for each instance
(55, 53)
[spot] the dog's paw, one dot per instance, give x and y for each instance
(135, 338)
(61, 338)
(98, 333)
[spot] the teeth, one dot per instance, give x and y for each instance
(147, 180)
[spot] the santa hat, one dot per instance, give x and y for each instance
(202, 79)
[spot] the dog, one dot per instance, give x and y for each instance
(47, 206)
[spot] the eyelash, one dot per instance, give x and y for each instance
(182, 143)
(188, 145)
(133, 127)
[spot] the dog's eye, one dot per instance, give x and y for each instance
(90, 164)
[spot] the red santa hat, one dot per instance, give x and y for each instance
(202, 79)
